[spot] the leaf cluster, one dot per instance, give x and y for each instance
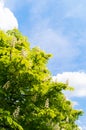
(31, 100)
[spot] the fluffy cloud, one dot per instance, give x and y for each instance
(75, 79)
(7, 18)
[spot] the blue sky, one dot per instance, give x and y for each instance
(58, 27)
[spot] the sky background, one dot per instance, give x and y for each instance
(58, 27)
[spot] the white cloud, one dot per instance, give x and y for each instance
(7, 19)
(75, 79)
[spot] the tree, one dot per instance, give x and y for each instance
(29, 98)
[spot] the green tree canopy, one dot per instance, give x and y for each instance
(29, 98)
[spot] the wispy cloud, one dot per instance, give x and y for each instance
(14, 5)
(53, 25)
(54, 42)
(58, 27)
(82, 123)
(75, 9)
(8, 20)
(75, 79)
(77, 12)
